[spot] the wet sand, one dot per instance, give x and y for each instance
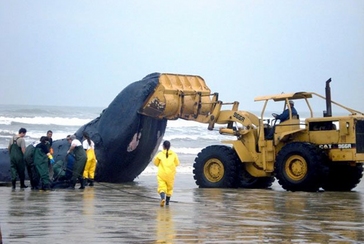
(130, 213)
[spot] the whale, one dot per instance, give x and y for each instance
(125, 140)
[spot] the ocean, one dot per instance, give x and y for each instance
(187, 138)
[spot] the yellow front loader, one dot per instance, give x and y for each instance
(325, 152)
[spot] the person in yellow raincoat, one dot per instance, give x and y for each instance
(90, 167)
(166, 161)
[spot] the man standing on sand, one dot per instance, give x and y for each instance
(90, 167)
(16, 151)
(50, 140)
(41, 160)
(50, 149)
(31, 168)
(80, 160)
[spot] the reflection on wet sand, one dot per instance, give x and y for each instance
(130, 213)
(166, 232)
(279, 216)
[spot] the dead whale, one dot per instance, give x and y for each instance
(125, 141)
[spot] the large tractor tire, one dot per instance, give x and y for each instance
(216, 167)
(343, 177)
(301, 166)
(246, 180)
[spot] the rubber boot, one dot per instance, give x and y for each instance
(72, 184)
(13, 183)
(163, 199)
(35, 185)
(46, 188)
(167, 200)
(82, 182)
(91, 182)
(22, 185)
(32, 185)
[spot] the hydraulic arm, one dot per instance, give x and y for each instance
(188, 97)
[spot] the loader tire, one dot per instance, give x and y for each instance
(343, 177)
(301, 166)
(246, 180)
(216, 167)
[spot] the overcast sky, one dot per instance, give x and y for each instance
(83, 53)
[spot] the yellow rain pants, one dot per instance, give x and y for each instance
(90, 167)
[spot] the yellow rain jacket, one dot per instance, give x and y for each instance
(166, 170)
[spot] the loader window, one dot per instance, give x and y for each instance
(323, 125)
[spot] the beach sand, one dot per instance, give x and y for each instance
(130, 213)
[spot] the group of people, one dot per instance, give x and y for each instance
(39, 161)
(37, 158)
(84, 165)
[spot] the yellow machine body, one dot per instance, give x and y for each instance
(188, 97)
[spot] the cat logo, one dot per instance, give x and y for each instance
(344, 146)
(325, 146)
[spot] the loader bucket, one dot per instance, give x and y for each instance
(179, 96)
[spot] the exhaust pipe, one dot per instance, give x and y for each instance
(328, 112)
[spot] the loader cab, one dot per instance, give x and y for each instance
(274, 129)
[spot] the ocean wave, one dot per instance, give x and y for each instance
(6, 134)
(37, 135)
(184, 123)
(186, 138)
(182, 169)
(187, 150)
(37, 120)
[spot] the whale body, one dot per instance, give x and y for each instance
(125, 140)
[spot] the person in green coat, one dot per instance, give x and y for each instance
(29, 163)
(16, 151)
(41, 156)
(80, 160)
